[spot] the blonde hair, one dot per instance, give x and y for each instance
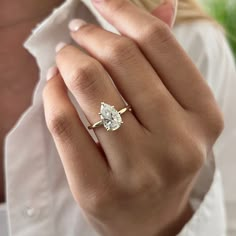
(188, 10)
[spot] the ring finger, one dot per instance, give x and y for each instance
(90, 84)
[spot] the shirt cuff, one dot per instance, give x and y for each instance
(209, 218)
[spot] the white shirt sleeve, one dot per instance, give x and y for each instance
(207, 47)
(3, 220)
(40, 203)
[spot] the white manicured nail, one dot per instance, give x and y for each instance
(52, 71)
(60, 46)
(76, 24)
(174, 4)
(175, 11)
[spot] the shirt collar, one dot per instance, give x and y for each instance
(41, 43)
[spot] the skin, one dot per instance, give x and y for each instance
(142, 183)
(143, 173)
(14, 29)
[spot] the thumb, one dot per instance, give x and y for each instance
(166, 11)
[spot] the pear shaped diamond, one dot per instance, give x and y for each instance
(111, 118)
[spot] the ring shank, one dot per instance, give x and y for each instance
(96, 125)
(127, 108)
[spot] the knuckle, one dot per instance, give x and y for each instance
(84, 77)
(194, 156)
(97, 204)
(59, 124)
(188, 157)
(120, 48)
(197, 156)
(146, 182)
(216, 124)
(212, 121)
(158, 32)
(147, 186)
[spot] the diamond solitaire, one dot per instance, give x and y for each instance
(110, 117)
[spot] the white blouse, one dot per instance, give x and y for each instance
(39, 201)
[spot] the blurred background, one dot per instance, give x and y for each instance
(224, 11)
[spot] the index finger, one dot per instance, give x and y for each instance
(158, 44)
(85, 166)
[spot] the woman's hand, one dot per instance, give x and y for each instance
(138, 180)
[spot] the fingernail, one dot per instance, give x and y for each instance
(167, 1)
(76, 24)
(52, 71)
(174, 4)
(60, 46)
(97, 1)
(175, 8)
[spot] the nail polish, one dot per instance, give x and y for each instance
(60, 46)
(97, 1)
(175, 11)
(76, 24)
(174, 4)
(52, 71)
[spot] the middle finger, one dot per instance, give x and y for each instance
(131, 72)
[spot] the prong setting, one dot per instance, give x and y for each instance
(110, 118)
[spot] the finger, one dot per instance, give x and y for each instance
(158, 44)
(89, 83)
(166, 12)
(85, 167)
(131, 72)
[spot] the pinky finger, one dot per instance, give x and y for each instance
(85, 166)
